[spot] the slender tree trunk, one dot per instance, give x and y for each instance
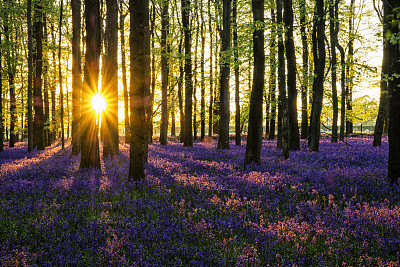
(164, 72)
(291, 76)
(196, 45)
(281, 76)
(350, 72)
(110, 82)
(202, 73)
(223, 139)
(254, 137)
(123, 69)
(180, 92)
(383, 101)
(90, 157)
(272, 77)
(76, 75)
(333, 37)
(188, 139)
(210, 108)
(37, 91)
(319, 78)
(153, 71)
(60, 77)
(238, 139)
(54, 124)
(305, 78)
(140, 85)
(173, 130)
(394, 94)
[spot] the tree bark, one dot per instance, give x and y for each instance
(210, 108)
(319, 78)
(180, 92)
(76, 75)
(164, 72)
(188, 138)
(305, 70)
(254, 137)
(202, 74)
(223, 138)
(238, 139)
(90, 157)
(110, 82)
(140, 86)
(394, 93)
(383, 100)
(123, 69)
(294, 137)
(37, 91)
(333, 36)
(281, 76)
(272, 77)
(60, 77)
(350, 72)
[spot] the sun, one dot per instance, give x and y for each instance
(99, 103)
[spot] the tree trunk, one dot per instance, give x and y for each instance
(60, 77)
(223, 138)
(281, 75)
(153, 71)
(173, 130)
(254, 137)
(180, 92)
(110, 82)
(76, 75)
(350, 72)
(164, 72)
(196, 45)
(238, 139)
(90, 157)
(272, 77)
(394, 93)
(210, 108)
(140, 85)
(202, 73)
(294, 137)
(123, 69)
(383, 101)
(37, 91)
(319, 78)
(333, 36)
(188, 138)
(305, 78)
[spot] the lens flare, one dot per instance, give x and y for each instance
(99, 103)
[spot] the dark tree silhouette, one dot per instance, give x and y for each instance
(238, 139)
(164, 71)
(291, 76)
(223, 138)
(123, 69)
(60, 77)
(188, 138)
(38, 137)
(394, 91)
(140, 85)
(110, 82)
(319, 76)
(272, 77)
(76, 75)
(304, 71)
(90, 157)
(254, 137)
(383, 100)
(333, 39)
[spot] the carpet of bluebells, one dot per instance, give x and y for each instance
(198, 206)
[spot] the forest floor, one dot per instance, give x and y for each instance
(198, 206)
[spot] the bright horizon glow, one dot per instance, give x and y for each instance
(99, 103)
